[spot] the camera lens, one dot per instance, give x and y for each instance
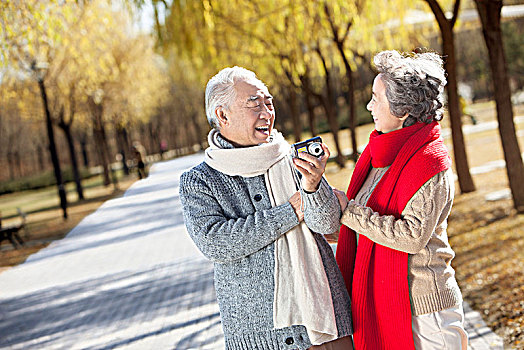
(315, 149)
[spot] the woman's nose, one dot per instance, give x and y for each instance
(368, 106)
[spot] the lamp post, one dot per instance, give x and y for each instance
(40, 69)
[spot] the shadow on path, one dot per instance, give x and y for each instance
(60, 316)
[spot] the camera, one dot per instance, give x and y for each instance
(311, 146)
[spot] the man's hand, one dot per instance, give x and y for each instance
(311, 168)
(296, 203)
(342, 199)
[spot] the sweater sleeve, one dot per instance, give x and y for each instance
(223, 239)
(428, 207)
(322, 209)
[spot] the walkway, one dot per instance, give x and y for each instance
(128, 277)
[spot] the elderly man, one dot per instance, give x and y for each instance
(277, 282)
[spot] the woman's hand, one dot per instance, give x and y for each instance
(311, 168)
(342, 199)
(296, 203)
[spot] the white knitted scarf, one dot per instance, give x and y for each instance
(302, 293)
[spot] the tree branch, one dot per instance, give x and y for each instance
(334, 28)
(455, 13)
(344, 37)
(439, 14)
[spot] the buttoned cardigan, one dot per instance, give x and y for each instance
(231, 221)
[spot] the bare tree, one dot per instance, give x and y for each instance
(448, 49)
(339, 37)
(489, 12)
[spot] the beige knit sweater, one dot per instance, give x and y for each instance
(420, 232)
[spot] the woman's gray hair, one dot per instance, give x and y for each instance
(414, 85)
(220, 90)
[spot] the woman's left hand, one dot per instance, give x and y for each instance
(342, 199)
(311, 168)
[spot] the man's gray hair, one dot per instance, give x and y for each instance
(220, 90)
(414, 84)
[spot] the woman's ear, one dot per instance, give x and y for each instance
(404, 117)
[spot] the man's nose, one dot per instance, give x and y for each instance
(266, 113)
(368, 106)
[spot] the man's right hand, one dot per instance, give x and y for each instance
(296, 203)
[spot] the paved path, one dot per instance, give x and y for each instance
(127, 277)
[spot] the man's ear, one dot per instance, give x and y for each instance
(220, 113)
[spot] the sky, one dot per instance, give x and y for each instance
(146, 22)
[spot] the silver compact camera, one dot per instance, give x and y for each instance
(312, 146)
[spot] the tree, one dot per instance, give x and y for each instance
(489, 12)
(31, 44)
(448, 49)
(339, 36)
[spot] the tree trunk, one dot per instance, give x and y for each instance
(295, 114)
(175, 141)
(97, 134)
(85, 157)
(11, 162)
(329, 107)
(310, 112)
(153, 138)
(127, 143)
(100, 139)
(459, 149)
(121, 142)
(489, 12)
(18, 163)
(40, 156)
(350, 98)
(198, 133)
(66, 128)
(157, 24)
(52, 150)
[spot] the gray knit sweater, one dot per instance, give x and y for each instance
(231, 221)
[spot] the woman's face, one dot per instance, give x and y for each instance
(379, 107)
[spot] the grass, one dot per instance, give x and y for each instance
(488, 237)
(44, 217)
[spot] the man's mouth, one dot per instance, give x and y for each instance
(263, 129)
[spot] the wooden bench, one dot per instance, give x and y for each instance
(10, 232)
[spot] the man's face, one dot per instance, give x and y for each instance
(250, 118)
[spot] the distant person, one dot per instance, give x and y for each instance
(139, 153)
(393, 248)
(464, 110)
(163, 148)
(277, 282)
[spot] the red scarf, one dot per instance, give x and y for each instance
(379, 275)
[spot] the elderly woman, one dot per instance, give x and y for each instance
(393, 249)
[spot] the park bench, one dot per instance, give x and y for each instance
(10, 232)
